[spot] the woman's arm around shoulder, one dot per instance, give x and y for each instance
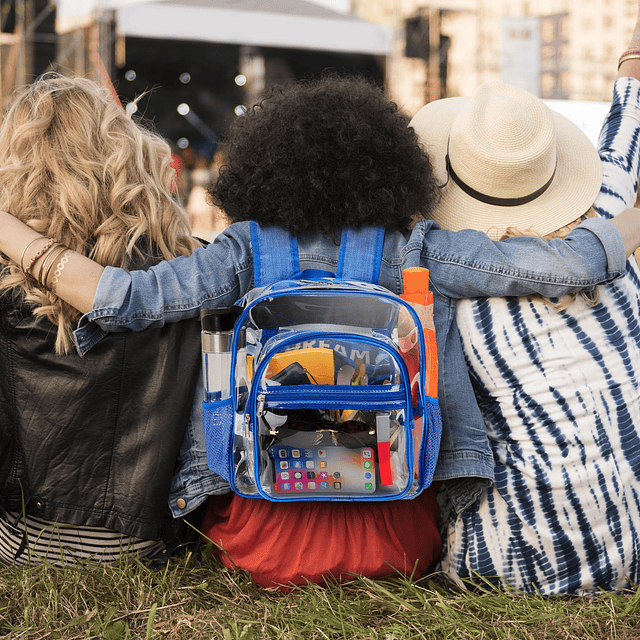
(468, 264)
(170, 291)
(464, 265)
(77, 281)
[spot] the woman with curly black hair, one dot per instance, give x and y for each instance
(314, 158)
(325, 155)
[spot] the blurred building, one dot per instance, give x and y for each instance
(558, 49)
(213, 58)
(28, 41)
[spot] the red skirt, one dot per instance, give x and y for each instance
(300, 542)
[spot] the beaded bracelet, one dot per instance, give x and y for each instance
(26, 248)
(39, 255)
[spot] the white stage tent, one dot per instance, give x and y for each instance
(290, 24)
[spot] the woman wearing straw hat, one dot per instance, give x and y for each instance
(558, 381)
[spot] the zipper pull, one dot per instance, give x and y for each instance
(247, 420)
(260, 412)
(261, 399)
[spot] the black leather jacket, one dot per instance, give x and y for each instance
(94, 440)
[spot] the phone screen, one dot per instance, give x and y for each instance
(334, 470)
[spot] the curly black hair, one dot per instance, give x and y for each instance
(323, 154)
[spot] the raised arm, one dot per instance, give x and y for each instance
(629, 67)
(629, 64)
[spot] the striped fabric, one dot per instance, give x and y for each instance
(68, 545)
(560, 392)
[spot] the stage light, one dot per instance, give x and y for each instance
(130, 75)
(240, 110)
(182, 143)
(240, 80)
(194, 120)
(185, 78)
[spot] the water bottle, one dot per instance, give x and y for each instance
(217, 335)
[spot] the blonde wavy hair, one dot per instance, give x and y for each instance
(74, 166)
(592, 298)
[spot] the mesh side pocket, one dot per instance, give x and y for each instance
(217, 418)
(432, 445)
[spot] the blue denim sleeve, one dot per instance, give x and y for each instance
(215, 276)
(467, 264)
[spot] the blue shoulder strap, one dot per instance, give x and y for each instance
(275, 254)
(361, 254)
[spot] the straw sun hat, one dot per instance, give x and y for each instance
(512, 162)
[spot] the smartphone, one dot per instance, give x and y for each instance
(324, 470)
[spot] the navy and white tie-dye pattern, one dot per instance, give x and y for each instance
(560, 392)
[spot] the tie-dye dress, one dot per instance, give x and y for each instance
(560, 393)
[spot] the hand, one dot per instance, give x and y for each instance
(628, 225)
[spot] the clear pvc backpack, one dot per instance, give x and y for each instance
(330, 377)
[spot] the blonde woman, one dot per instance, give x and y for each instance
(558, 382)
(87, 445)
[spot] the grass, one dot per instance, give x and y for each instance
(191, 599)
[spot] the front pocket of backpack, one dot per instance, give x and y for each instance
(332, 418)
(333, 443)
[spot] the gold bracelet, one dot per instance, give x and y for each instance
(628, 56)
(59, 268)
(54, 253)
(46, 260)
(51, 260)
(27, 247)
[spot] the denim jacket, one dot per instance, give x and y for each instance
(464, 264)
(193, 481)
